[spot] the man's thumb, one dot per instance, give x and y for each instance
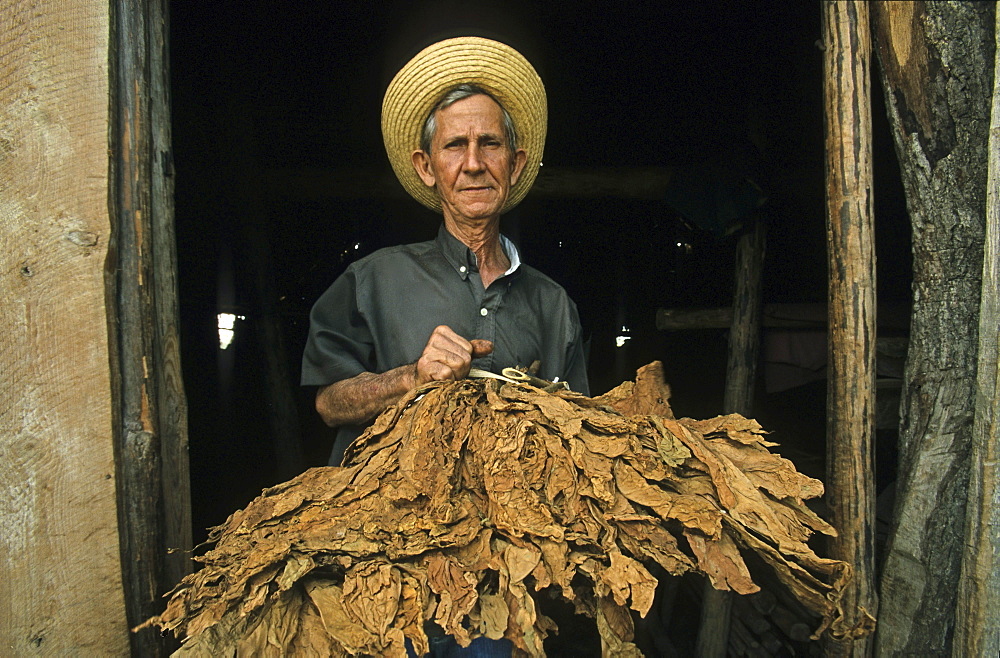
(481, 347)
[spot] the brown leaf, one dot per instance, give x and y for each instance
(468, 496)
(648, 396)
(627, 581)
(691, 511)
(615, 626)
(338, 622)
(720, 560)
(456, 591)
(494, 614)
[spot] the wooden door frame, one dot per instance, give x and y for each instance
(149, 406)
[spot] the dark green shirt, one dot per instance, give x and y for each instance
(379, 314)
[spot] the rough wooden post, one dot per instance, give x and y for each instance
(977, 623)
(741, 377)
(60, 570)
(150, 422)
(170, 383)
(936, 63)
(851, 257)
(744, 333)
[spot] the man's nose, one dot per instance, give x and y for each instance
(473, 159)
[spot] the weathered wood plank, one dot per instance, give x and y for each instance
(60, 573)
(851, 304)
(150, 423)
(936, 61)
(170, 384)
(977, 623)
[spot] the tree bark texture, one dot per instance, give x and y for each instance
(851, 305)
(150, 427)
(936, 63)
(977, 627)
(741, 377)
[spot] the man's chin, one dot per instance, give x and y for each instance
(477, 211)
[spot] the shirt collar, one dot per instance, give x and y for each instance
(512, 254)
(464, 261)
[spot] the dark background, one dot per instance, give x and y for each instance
(724, 92)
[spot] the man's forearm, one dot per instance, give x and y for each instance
(359, 399)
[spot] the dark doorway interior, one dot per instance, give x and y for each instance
(277, 151)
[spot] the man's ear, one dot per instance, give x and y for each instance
(520, 159)
(422, 164)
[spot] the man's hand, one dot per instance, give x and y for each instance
(359, 399)
(448, 356)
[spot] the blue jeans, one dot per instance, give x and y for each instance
(445, 646)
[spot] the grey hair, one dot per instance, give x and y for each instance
(456, 94)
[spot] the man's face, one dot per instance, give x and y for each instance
(470, 162)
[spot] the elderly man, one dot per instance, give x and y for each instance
(464, 127)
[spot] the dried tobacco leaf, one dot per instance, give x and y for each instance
(616, 629)
(494, 616)
(467, 497)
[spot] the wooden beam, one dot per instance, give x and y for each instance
(150, 414)
(787, 316)
(60, 570)
(977, 623)
(851, 326)
(648, 183)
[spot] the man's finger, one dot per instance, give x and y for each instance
(445, 339)
(438, 372)
(481, 348)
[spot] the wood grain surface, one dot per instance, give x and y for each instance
(59, 552)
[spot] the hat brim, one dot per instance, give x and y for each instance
(493, 66)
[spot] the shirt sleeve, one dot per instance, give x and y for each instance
(576, 357)
(340, 344)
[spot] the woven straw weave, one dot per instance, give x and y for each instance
(491, 65)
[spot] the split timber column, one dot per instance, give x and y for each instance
(851, 324)
(60, 571)
(936, 62)
(977, 624)
(150, 411)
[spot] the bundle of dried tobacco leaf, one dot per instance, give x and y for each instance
(467, 496)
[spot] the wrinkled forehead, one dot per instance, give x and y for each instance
(479, 110)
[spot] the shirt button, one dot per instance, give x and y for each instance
(483, 312)
(462, 269)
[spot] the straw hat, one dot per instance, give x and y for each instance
(495, 67)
